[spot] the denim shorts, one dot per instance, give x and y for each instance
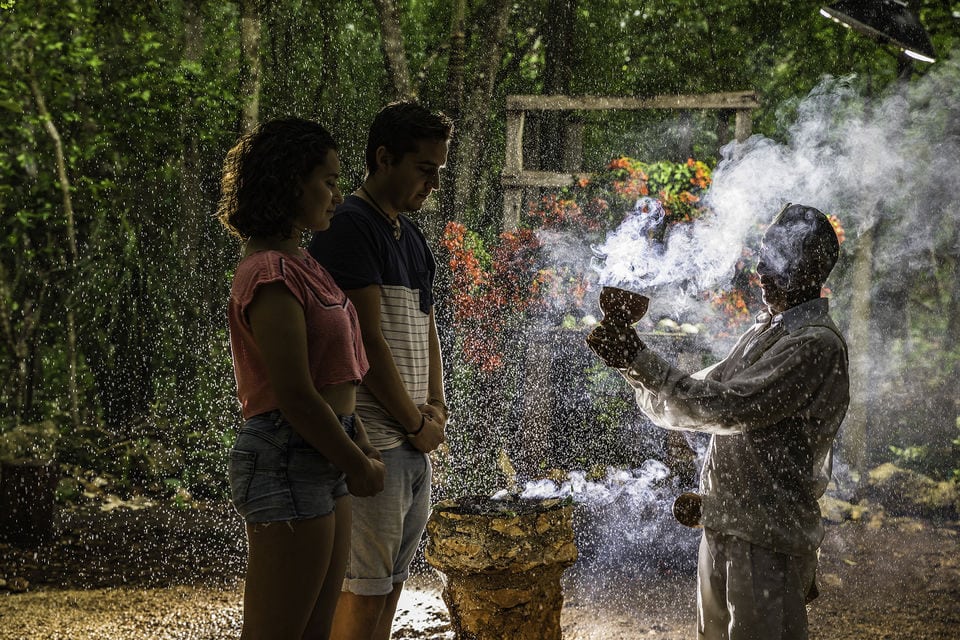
(275, 476)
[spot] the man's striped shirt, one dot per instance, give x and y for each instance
(360, 250)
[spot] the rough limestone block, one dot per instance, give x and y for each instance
(502, 562)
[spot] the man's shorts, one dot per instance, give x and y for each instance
(387, 527)
(275, 476)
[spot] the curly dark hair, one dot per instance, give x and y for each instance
(262, 174)
(400, 126)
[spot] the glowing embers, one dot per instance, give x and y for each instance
(502, 561)
(889, 21)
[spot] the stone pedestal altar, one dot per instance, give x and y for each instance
(502, 562)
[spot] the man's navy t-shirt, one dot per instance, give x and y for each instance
(359, 250)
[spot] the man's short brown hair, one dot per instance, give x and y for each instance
(400, 126)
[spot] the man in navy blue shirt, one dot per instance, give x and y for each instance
(380, 258)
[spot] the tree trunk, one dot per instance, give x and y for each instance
(854, 434)
(191, 234)
(394, 54)
(20, 338)
(191, 196)
(558, 73)
(325, 109)
(456, 70)
(473, 129)
(456, 64)
(70, 263)
(250, 50)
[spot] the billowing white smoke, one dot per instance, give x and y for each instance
(643, 483)
(892, 158)
(626, 515)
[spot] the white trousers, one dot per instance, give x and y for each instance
(747, 592)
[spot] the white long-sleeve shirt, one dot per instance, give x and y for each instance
(774, 406)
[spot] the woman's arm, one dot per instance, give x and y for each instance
(279, 329)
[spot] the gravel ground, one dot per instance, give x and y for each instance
(883, 578)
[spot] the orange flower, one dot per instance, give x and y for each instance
(619, 163)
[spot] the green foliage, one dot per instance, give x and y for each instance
(116, 88)
(30, 442)
(678, 186)
(909, 456)
(937, 461)
(145, 99)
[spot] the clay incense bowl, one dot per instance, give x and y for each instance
(622, 307)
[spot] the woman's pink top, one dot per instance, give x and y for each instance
(334, 347)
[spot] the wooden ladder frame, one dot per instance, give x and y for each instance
(515, 179)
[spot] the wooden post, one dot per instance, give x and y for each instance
(573, 151)
(512, 168)
(729, 100)
(515, 179)
(744, 125)
(512, 208)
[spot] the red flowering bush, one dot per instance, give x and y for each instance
(626, 178)
(554, 212)
(492, 290)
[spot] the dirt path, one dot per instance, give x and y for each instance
(890, 578)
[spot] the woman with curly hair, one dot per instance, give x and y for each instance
(297, 357)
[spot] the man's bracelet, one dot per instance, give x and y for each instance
(423, 422)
